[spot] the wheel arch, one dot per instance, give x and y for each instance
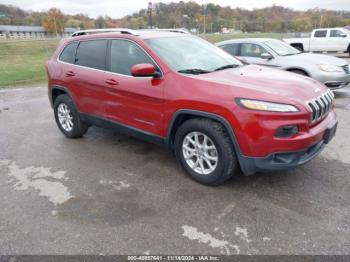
(296, 45)
(56, 91)
(183, 115)
(290, 69)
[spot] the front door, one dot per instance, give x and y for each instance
(251, 53)
(320, 41)
(338, 40)
(134, 101)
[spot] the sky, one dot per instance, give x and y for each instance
(120, 8)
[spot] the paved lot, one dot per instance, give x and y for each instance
(112, 194)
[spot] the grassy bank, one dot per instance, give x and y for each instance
(22, 62)
(214, 38)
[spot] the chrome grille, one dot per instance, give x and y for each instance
(346, 69)
(321, 105)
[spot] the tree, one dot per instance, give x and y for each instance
(71, 22)
(54, 21)
(100, 22)
(188, 14)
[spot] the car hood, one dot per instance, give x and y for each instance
(258, 82)
(316, 59)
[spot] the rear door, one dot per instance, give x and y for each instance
(134, 101)
(88, 76)
(233, 48)
(65, 76)
(319, 41)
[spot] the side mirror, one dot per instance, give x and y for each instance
(266, 56)
(343, 35)
(144, 70)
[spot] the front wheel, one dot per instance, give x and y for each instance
(205, 151)
(67, 117)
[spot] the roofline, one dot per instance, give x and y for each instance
(171, 30)
(242, 40)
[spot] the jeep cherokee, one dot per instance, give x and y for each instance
(178, 90)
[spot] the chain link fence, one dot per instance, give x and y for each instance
(22, 62)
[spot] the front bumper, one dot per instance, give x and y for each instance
(286, 160)
(333, 80)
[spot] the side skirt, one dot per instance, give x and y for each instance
(125, 129)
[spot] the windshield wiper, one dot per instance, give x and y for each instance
(226, 67)
(194, 71)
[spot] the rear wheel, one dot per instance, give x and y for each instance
(205, 152)
(67, 117)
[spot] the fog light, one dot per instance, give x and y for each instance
(286, 131)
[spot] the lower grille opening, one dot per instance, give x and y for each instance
(286, 131)
(334, 84)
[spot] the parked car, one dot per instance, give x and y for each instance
(323, 40)
(332, 71)
(180, 91)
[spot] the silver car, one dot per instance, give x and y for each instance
(332, 71)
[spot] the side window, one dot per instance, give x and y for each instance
(320, 33)
(252, 50)
(232, 49)
(68, 54)
(336, 33)
(92, 54)
(126, 54)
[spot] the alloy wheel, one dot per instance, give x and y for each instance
(200, 153)
(65, 117)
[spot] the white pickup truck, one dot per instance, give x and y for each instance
(323, 40)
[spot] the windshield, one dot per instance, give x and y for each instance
(282, 48)
(346, 30)
(192, 55)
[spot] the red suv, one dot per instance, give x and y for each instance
(178, 90)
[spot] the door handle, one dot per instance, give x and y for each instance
(70, 73)
(112, 82)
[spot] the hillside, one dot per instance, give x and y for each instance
(192, 16)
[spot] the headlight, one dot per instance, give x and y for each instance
(266, 106)
(331, 68)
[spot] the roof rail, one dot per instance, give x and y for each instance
(106, 30)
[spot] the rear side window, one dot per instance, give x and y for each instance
(68, 54)
(92, 54)
(126, 54)
(232, 49)
(321, 33)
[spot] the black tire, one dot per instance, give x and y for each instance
(299, 72)
(79, 128)
(227, 161)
